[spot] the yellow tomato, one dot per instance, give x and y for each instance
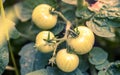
(67, 62)
(41, 41)
(84, 42)
(42, 17)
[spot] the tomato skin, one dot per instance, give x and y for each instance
(84, 42)
(67, 62)
(42, 17)
(43, 45)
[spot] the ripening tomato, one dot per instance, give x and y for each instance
(67, 62)
(42, 17)
(82, 43)
(42, 42)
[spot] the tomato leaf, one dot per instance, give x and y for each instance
(14, 34)
(97, 56)
(83, 14)
(4, 57)
(100, 22)
(102, 31)
(114, 68)
(109, 16)
(102, 66)
(59, 27)
(39, 72)
(78, 72)
(68, 11)
(24, 9)
(103, 73)
(84, 64)
(47, 71)
(31, 59)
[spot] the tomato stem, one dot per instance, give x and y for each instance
(61, 40)
(61, 15)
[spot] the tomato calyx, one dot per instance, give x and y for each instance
(52, 11)
(74, 33)
(49, 41)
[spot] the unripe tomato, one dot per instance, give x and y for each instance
(67, 62)
(84, 42)
(41, 44)
(42, 17)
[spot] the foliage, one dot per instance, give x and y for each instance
(18, 34)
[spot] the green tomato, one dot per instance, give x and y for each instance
(84, 42)
(67, 62)
(42, 17)
(41, 44)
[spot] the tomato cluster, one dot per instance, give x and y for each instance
(80, 43)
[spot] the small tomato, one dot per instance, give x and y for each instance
(67, 62)
(42, 17)
(82, 43)
(42, 42)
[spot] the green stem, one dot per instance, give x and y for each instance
(61, 15)
(2, 9)
(61, 40)
(13, 59)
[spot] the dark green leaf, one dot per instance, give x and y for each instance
(14, 33)
(58, 28)
(97, 56)
(102, 66)
(84, 64)
(24, 9)
(114, 68)
(47, 71)
(84, 14)
(78, 72)
(103, 31)
(39, 72)
(4, 57)
(32, 59)
(109, 17)
(103, 73)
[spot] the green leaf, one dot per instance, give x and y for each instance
(103, 73)
(39, 72)
(102, 66)
(97, 56)
(68, 11)
(78, 72)
(58, 28)
(84, 64)
(47, 71)
(34, 59)
(24, 9)
(4, 57)
(14, 33)
(114, 68)
(102, 31)
(84, 14)
(109, 16)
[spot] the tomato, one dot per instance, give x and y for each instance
(41, 41)
(84, 42)
(42, 17)
(66, 62)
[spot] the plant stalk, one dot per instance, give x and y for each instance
(13, 59)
